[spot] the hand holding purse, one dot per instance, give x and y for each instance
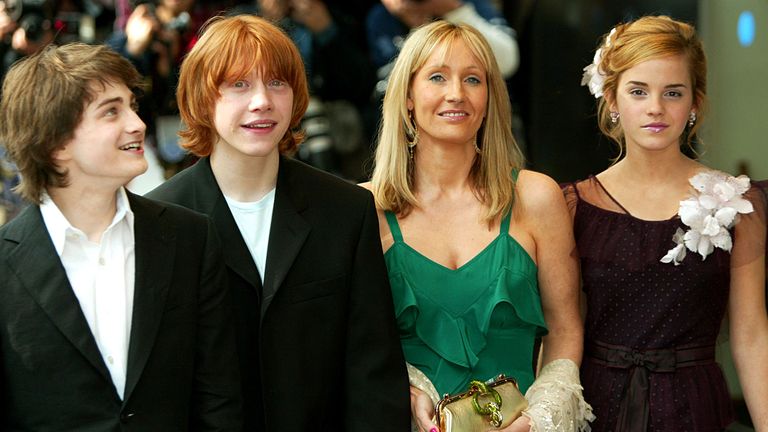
(485, 406)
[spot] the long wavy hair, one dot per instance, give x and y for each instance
(491, 172)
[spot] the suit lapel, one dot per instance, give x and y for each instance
(155, 253)
(210, 200)
(288, 233)
(39, 268)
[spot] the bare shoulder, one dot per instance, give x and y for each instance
(538, 193)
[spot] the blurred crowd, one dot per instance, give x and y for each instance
(348, 49)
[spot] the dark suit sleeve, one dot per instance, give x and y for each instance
(376, 381)
(217, 401)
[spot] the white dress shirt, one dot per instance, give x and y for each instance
(102, 278)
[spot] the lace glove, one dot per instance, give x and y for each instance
(555, 402)
(420, 381)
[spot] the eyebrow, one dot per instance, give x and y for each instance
(640, 83)
(109, 101)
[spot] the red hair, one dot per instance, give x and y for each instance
(229, 49)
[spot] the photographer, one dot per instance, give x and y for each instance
(25, 28)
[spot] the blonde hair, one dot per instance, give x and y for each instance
(649, 38)
(491, 172)
(229, 49)
(43, 100)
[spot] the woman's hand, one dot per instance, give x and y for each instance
(521, 424)
(422, 410)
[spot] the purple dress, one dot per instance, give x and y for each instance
(648, 323)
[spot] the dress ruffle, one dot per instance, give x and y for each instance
(460, 337)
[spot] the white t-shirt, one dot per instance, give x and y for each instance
(254, 219)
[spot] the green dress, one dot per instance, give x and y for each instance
(474, 322)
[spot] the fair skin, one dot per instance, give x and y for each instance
(654, 99)
(449, 97)
(105, 153)
(251, 116)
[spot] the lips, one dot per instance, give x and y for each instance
(656, 127)
(260, 124)
(131, 147)
(453, 114)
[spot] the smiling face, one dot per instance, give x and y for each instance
(654, 99)
(107, 146)
(449, 96)
(252, 115)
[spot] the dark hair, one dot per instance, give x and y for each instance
(43, 100)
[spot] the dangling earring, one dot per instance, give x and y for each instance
(692, 119)
(412, 141)
(614, 117)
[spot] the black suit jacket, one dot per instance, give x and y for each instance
(182, 366)
(318, 345)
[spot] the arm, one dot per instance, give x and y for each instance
(749, 323)
(376, 383)
(555, 397)
(216, 394)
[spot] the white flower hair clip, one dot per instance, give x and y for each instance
(594, 76)
(709, 214)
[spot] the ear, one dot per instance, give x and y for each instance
(611, 103)
(62, 154)
(409, 103)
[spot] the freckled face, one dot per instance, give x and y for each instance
(654, 99)
(449, 96)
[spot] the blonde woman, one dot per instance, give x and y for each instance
(478, 250)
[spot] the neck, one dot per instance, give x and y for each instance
(657, 166)
(442, 167)
(245, 179)
(88, 209)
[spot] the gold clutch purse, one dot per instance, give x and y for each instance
(485, 406)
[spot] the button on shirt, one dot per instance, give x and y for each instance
(102, 278)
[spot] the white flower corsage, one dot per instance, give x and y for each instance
(594, 77)
(709, 214)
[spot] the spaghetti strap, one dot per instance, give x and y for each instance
(505, 221)
(611, 196)
(394, 227)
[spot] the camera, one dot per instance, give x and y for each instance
(34, 16)
(179, 23)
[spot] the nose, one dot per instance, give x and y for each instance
(260, 99)
(655, 106)
(455, 91)
(135, 124)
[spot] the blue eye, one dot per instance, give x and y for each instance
(474, 80)
(437, 78)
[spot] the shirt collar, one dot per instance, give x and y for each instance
(58, 226)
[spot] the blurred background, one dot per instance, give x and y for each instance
(348, 48)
